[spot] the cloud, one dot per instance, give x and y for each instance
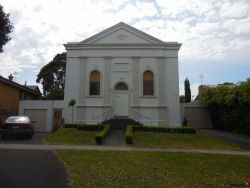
(209, 30)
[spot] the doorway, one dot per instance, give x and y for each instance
(121, 99)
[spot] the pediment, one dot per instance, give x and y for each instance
(122, 34)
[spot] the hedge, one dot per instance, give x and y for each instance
(130, 129)
(165, 129)
(129, 134)
(83, 127)
(229, 106)
(99, 137)
(70, 125)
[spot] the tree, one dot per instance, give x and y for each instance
(72, 103)
(187, 91)
(52, 76)
(182, 99)
(6, 28)
(229, 106)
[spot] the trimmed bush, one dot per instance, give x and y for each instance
(129, 134)
(97, 127)
(102, 134)
(70, 125)
(165, 129)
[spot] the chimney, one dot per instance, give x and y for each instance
(25, 83)
(11, 77)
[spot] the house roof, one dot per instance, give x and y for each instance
(129, 31)
(31, 89)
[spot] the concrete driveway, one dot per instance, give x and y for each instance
(31, 168)
(19, 139)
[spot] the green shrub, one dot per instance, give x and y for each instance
(70, 125)
(97, 127)
(165, 129)
(102, 134)
(129, 134)
(229, 106)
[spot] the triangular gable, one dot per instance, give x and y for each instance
(122, 33)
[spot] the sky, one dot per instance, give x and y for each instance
(215, 34)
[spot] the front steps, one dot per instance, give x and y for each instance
(121, 122)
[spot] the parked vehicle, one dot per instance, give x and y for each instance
(17, 125)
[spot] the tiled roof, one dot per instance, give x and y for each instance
(32, 89)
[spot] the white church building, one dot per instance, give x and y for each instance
(122, 72)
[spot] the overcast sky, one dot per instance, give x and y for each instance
(215, 34)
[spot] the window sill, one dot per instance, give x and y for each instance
(149, 96)
(94, 96)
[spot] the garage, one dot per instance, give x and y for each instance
(40, 118)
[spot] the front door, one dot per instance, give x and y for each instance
(121, 103)
(121, 100)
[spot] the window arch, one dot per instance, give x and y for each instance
(94, 85)
(148, 83)
(121, 86)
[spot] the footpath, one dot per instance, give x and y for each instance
(116, 148)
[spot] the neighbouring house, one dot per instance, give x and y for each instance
(125, 73)
(11, 93)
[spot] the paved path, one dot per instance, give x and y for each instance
(236, 139)
(31, 168)
(116, 148)
(115, 138)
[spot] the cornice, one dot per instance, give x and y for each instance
(79, 46)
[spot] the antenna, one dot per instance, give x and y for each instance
(201, 77)
(15, 76)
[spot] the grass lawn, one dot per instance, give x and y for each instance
(154, 169)
(175, 140)
(70, 136)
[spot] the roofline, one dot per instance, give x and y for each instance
(166, 45)
(19, 86)
(111, 29)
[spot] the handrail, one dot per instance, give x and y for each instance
(140, 114)
(94, 117)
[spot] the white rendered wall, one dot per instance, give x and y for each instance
(150, 106)
(48, 105)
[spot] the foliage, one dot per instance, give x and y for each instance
(185, 122)
(184, 141)
(6, 27)
(97, 127)
(182, 99)
(129, 134)
(70, 136)
(187, 91)
(70, 126)
(99, 137)
(52, 76)
(154, 169)
(165, 129)
(72, 102)
(229, 106)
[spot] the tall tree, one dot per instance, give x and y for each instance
(52, 76)
(6, 28)
(187, 91)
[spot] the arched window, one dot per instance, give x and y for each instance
(148, 83)
(94, 86)
(121, 86)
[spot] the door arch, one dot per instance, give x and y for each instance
(121, 99)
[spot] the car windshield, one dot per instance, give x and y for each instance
(18, 119)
